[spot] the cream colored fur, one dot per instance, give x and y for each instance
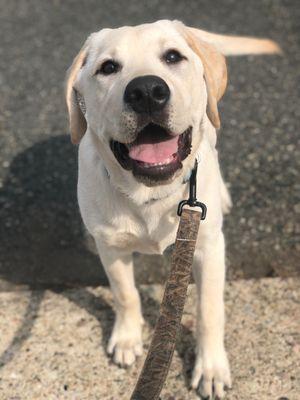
(124, 215)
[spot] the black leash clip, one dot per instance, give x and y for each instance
(192, 200)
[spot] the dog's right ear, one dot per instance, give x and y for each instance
(77, 120)
(215, 71)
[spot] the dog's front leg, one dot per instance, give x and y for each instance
(126, 339)
(211, 371)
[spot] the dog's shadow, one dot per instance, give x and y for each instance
(43, 241)
(41, 233)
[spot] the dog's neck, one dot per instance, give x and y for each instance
(154, 198)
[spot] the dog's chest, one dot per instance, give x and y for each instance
(148, 236)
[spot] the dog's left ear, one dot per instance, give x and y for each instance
(77, 120)
(215, 71)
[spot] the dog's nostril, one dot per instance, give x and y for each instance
(136, 95)
(159, 92)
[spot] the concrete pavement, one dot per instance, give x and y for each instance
(52, 343)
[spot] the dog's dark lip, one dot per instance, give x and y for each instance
(155, 173)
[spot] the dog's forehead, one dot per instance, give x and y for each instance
(127, 38)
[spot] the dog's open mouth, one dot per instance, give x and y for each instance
(155, 153)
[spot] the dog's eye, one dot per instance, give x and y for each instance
(173, 57)
(108, 67)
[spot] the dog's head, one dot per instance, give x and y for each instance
(147, 90)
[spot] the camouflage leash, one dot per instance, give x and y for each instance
(159, 357)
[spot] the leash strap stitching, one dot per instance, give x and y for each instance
(186, 240)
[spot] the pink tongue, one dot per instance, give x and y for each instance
(153, 153)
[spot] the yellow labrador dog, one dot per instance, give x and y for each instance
(151, 96)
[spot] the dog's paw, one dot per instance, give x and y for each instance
(211, 375)
(125, 343)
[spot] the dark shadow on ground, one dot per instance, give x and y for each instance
(42, 239)
(40, 225)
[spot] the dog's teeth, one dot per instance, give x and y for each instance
(167, 161)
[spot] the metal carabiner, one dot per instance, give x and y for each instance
(192, 200)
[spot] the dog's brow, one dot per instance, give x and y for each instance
(107, 54)
(172, 44)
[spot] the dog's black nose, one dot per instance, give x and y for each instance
(147, 94)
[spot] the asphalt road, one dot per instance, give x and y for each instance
(41, 235)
